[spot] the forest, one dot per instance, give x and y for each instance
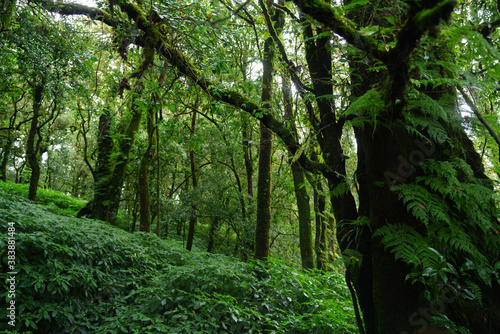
(238, 166)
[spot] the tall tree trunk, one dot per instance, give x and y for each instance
(153, 139)
(143, 178)
(114, 186)
(31, 148)
(326, 124)
(157, 120)
(247, 235)
(103, 164)
(262, 230)
(301, 195)
(193, 218)
(246, 134)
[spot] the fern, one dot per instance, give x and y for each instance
(405, 243)
(434, 129)
(368, 104)
(423, 205)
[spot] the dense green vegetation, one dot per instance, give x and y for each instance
(357, 140)
(85, 276)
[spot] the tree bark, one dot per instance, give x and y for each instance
(31, 147)
(193, 217)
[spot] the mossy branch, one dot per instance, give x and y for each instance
(64, 8)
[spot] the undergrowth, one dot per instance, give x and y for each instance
(84, 276)
(55, 201)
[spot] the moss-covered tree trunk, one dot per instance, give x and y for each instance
(327, 121)
(192, 162)
(107, 197)
(246, 134)
(144, 165)
(248, 234)
(143, 176)
(31, 147)
(102, 170)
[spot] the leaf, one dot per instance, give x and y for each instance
(391, 20)
(370, 30)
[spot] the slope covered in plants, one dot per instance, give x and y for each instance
(85, 276)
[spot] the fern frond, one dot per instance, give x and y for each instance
(404, 242)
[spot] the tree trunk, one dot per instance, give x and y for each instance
(158, 174)
(193, 218)
(31, 148)
(102, 165)
(5, 158)
(143, 178)
(247, 155)
(326, 123)
(320, 244)
(211, 234)
(107, 199)
(263, 224)
(301, 195)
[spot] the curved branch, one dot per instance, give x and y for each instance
(480, 117)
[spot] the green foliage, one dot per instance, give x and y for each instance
(83, 276)
(55, 201)
(366, 107)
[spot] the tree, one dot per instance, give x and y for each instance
(39, 59)
(263, 225)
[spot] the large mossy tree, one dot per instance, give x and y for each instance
(418, 224)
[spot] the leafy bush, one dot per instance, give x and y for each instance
(84, 276)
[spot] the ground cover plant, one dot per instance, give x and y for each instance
(85, 276)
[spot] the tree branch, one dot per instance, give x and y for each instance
(480, 117)
(290, 66)
(64, 8)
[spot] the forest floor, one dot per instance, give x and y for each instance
(74, 275)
